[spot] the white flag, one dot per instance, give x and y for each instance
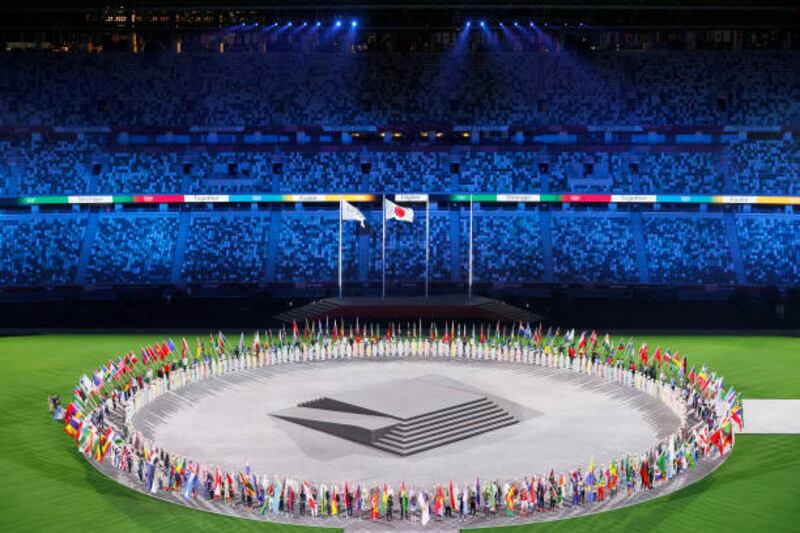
(350, 212)
(396, 212)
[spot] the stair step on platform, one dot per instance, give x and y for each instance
(445, 419)
(418, 420)
(449, 425)
(443, 441)
(451, 433)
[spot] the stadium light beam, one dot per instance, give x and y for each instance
(462, 38)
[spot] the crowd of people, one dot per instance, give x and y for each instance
(169, 89)
(294, 246)
(91, 163)
(99, 419)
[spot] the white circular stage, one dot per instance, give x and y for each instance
(429, 421)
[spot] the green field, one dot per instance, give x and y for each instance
(47, 486)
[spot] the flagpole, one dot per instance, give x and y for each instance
(427, 242)
(469, 280)
(340, 248)
(383, 249)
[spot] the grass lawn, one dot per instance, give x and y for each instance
(758, 367)
(48, 486)
(755, 490)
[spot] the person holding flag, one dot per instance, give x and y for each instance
(403, 502)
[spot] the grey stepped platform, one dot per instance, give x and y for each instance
(410, 308)
(444, 427)
(404, 416)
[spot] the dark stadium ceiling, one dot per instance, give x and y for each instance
(89, 15)
(395, 4)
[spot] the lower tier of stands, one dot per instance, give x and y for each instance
(292, 245)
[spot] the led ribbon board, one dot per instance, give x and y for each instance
(461, 197)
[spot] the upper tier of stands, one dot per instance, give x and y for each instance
(168, 89)
(82, 164)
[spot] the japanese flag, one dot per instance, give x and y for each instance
(396, 212)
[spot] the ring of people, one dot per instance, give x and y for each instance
(314, 427)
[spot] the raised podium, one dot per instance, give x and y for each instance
(457, 307)
(404, 416)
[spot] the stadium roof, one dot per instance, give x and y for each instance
(727, 5)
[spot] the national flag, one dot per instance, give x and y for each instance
(124, 459)
(312, 504)
(249, 488)
(643, 353)
(71, 410)
(97, 381)
(718, 440)
(351, 212)
(396, 212)
(73, 427)
(87, 438)
(735, 415)
(184, 348)
(438, 506)
(510, 498)
(217, 485)
(727, 431)
(662, 464)
(730, 397)
(104, 445)
(191, 483)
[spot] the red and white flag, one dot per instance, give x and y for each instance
(396, 212)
